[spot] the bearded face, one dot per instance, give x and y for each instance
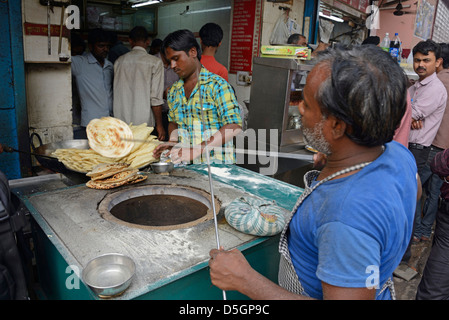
(314, 137)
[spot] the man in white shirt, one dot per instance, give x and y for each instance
(139, 84)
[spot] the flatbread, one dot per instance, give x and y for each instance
(119, 176)
(110, 137)
(109, 174)
(101, 186)
(104, 168)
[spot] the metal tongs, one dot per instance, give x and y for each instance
(10, 150)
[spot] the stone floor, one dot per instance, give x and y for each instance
(406, 290)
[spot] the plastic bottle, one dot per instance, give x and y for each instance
(395, 48)
(385, 44)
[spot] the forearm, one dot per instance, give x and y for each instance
(229, 270)
(157, 112)
(222, 136)
(189, 153)
(257, 287)
(173, 132)
(427, 104)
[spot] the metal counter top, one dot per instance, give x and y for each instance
(68, 216)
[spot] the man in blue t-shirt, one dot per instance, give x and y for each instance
(363, 230)
(94, 75)
(353, 222)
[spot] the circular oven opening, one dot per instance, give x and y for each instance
(160, 207)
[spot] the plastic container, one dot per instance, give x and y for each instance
(385, 44)
(395, 48)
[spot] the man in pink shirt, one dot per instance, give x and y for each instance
(429, 98)
(434, 284)
(211, 35)
(440, 142)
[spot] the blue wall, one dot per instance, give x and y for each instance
(13, 113)
(311, 10)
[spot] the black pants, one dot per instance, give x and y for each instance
(79, 133)
(434, 284)
(421, 154)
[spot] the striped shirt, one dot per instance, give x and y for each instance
(220, 107)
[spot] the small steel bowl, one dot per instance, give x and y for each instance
(161, 167)
(109, 275)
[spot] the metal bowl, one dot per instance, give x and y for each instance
(161, 167)
(109, 275)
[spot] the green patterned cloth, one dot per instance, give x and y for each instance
(255, 216)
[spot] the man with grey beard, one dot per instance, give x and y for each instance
(352, 224)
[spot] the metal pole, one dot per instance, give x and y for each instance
(209, 173)
(48, 28)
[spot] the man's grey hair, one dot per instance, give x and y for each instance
(366, 89)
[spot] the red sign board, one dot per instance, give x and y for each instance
(245, 34)
(363, 4)
(34, 29)
(360, 5)
(355, 4)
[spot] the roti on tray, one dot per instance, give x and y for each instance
(108, 177)
(96, 184)
(119, 176)
(110, 137)
(104, 170)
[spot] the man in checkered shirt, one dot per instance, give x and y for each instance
(203, 107)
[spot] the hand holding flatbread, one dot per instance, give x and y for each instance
(110, 137)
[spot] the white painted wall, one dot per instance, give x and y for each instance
(49, 100)
(36, 47)
(48, 82)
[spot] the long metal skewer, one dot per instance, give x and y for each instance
(48, 28)
(209, 172)
(287, 155)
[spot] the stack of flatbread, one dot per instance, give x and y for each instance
(140, 155)
(112, 175)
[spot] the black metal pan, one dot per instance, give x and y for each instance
(43, 155)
